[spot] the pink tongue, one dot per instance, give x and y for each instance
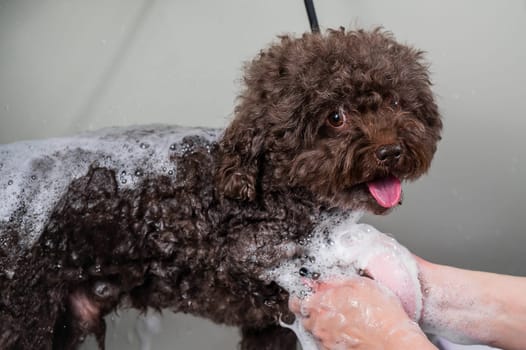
(386, 191)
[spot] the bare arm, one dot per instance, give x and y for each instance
(474, 307)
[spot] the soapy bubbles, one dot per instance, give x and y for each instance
(339, 247)
(39, 172)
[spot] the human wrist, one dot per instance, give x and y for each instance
(464, 306)
(407, 335)
(445, 291)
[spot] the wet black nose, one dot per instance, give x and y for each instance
(389, 152)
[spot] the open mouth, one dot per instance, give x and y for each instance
(387, 191)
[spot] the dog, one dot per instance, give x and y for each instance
(325, 122)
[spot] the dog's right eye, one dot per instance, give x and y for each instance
(336, 119)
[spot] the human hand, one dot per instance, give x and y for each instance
(357, 313)
(359, 249)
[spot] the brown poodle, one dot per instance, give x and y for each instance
(330, 122)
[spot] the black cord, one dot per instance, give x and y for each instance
(313, 19)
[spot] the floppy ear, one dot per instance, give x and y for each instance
(240, 153)
(243, 145)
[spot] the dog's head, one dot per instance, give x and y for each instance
(346, 116)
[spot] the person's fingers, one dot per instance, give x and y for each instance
(302, 306)
(355, 313)
(395, 276)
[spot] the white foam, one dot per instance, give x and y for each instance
(305, 338)
(35, 174)
(340, 246)
(447, 345)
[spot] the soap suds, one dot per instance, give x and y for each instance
(35, 174)
(341, 247)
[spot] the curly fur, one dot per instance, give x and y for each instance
(238, 207)
(294, 85)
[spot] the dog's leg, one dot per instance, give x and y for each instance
(270, 338)
(82, 317)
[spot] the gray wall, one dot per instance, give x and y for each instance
(72, 65)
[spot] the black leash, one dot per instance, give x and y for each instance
(313, 19)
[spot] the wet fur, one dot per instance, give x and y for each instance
(200, 243)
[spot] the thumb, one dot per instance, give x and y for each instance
(401, 277)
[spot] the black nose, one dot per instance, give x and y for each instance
(388, 152)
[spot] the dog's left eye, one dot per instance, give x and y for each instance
(336, 119)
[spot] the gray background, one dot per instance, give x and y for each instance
(71, 65)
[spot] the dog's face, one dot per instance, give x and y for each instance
(347, 116)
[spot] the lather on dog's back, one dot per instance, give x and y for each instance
(190, 219)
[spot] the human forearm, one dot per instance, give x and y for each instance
(474, 307)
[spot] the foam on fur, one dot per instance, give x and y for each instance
(128, 217)
(35, 174)
(340, 247)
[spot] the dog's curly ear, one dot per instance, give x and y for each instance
(240, 153)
